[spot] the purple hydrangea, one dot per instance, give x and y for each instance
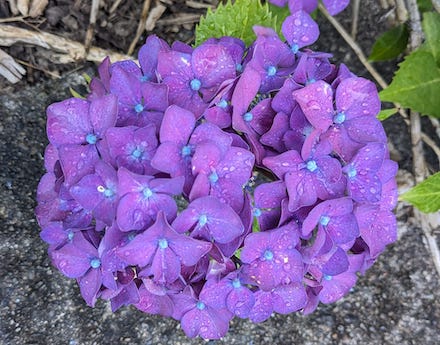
(219, 181)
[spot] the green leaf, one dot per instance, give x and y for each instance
(416, 84)
(386, 113)
(424, 5)
(236, 20)
(426, 195)
(431, 28)
(75, 94)
(390, 44)
(87, 78)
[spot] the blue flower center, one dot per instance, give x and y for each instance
(148, 193)
(310, 81)
(351, 172)
(95, 263)
(268, 255)
(186, 150)
(138, 108)
(222, 104)
(200, 305)
(213, 177)
(70, 235)
(236, 283)
(108, 193)
(239, 67)
(294, 48)
(195, 84)
(137, 153)
(311, 166)
(339, 118)
(324, 220)
(163, 243)
(144, 78)
(203, 219)
(131, 236)
(327, 277)
(257, 212)
(248, 117)
(271, 71)
(91, 138)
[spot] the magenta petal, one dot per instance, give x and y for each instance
(77, 161)
(68, 122)
(89, 286)
(103, 113)
(316, 101)
(335, 6)
(289, 298)
(357, 97)
(300, 29)
(177, 125)
(165, 266)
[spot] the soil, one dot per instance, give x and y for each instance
(396, 302)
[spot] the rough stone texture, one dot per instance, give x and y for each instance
(396, 302)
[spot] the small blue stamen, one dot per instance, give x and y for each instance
(310, 81)
(351, 173)
(213, 177)
(203, 219)
(222, 104)
(186, 150)
(108, 193)
(339, 118)
(311, 166)
(327, 277)
(147, 193)
(136, 153)
(195, 84)
(239, 67)
(248, 117)
(144, 78)
(138, 108)
(95, 263)
(70, 235)
(257, 212)
(91, 138)
(324, 220)
(294, 48)
(200, 305)
(163, 243)
(271, 71)
(236, 283)
(268, 255)
(131, 236)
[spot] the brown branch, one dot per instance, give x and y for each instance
(141, 26)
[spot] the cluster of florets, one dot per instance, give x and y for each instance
(218, 181)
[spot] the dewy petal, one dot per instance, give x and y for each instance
(89, 286)
(103, 113)
(316, 101)
(148, 56)
(300, 29)
(165, 266)
(289, 298)
(155, 96)
(212, 64)
(357, 97)
(335, 6)
(177, 125)
(263, 307)
(68, 122)
(284, 163)
(77, 161)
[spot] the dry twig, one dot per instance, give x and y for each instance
(185, 18)
(91, 28)
(9, 69)
(428, 222)
(355, 20)
(154, 16)
(37, 7)
(141, 26)
(65, 50)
